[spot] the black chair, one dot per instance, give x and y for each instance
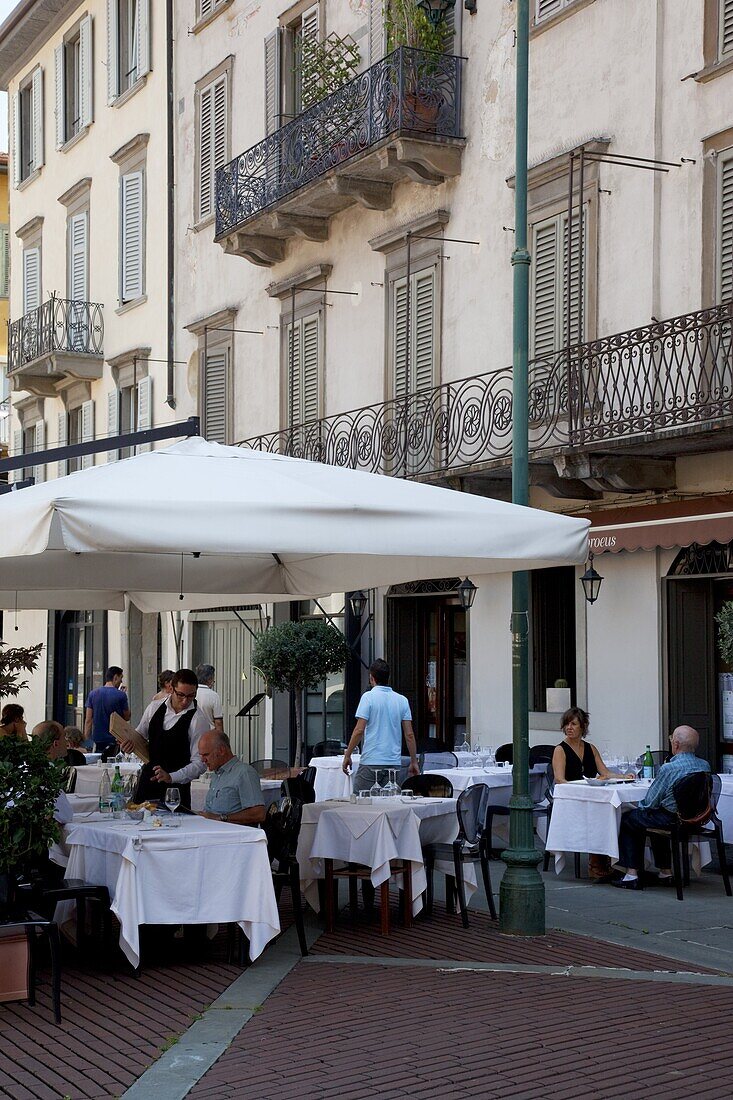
(33, 925)
(76, 758)
(470, 846)
(298, 788)
(309, 774)
(505, 754)
(540, 754)
(429, 786)
(697, 797)
(44, 895)
(271, 769)
(327, 748)
(441, 760)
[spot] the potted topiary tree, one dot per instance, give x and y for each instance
(296, 656)
(422, 74)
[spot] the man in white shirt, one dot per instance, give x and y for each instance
(208, 701)
(172, 729)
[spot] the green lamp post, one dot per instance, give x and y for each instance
(522, 892)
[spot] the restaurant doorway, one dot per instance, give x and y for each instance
(427, 650)
(80, 662)
(698, 584)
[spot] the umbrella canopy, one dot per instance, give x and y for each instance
(226, 524)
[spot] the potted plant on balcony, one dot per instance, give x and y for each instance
(421, 97)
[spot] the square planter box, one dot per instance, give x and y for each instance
(13, 966)
(557, 700)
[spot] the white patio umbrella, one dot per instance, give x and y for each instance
(226, 524)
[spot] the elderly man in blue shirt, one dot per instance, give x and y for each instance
(657, 810)
(234, 794)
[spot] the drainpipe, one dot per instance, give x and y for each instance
(170, 181)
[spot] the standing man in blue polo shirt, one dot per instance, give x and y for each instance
(102, 703)
(382, 717)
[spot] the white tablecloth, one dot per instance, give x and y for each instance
(725, 807)
(89, 776)
(203, 872)
(586, 818)
(331, 781)
(373, 835)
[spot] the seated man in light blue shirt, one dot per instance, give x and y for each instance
(382, 717)
(657, 809)
(235, 794)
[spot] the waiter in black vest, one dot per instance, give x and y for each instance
(172, 729)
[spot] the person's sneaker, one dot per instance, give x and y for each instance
(630, 884)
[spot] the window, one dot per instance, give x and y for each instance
(552, 622)
(27, 119)
(413, 358)
(76, 426)
(303, 347)
(29, 438)
(74, 82)
(132, 236)
(545, 9)
(31, 278)
(212, 145)
(724, 234)
(129, 410)
(128, 45)
(215, 395)
(4, 261)
(725, 28)
(207, 7)
(551, 286)
(283, 67)
(77, 252)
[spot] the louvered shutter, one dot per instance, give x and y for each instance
(214, 395)
(423, 344)
(87, 431)
(62, 436)
(205, 8)
(132, 245)
(143, 37)
(37, 115)
(4, 261)
(78, 280)
(17, 475)
(113, 51)
(725, 228)
(273, 80)
(310, 370)
(377, 31)
(86, 72)
(144, 411)
(15, 142)
(570, 285)
(399, 340)
(309, 23)
(544, 300)
(212, 141)
(59, 55)
(113, 421)
(293, 374)
(453, 24)
(31, 279)
(725, 28)
(39, 444)
(545, 8)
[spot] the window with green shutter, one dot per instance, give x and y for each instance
(215, 395)
(555, 284)
(724, 273)
(212, 146)
(303, 369)
(413, 359)
(725, 28)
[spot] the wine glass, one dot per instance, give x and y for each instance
(172, 799)
(392, 788)
(375, 790)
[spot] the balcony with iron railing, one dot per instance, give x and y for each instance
(657, 390)
(398, 120)
(61, 338)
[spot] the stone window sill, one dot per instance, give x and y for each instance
(127, 306)
(130, 92)
(559, 17)
(72, 141)
(717, 68)
(29, 179)
(204, 21)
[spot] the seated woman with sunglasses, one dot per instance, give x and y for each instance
(172, 729)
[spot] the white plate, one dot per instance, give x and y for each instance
(598, 782)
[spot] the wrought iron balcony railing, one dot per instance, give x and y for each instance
(57, 325)
(409, 91)
(674, 374)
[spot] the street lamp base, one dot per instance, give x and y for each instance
(522, 894)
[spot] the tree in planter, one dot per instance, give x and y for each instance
(408, 25)
(297, 656)
(724, 619)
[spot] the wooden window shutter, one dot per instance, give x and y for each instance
(17, 475)
(15, 142)
(144, 410)
(273, 81)
(87, 431)
(571, 286)
(132, 243)
(59, 55)
(311, 368)
(293, 373)
(37, 114)
(113, 420)
(39, 444)
(86, 72)
(725, 28)
(113, 50)
(377, 31)
(215, 397)
(545, 8)
(213, 145)
(399, 339)
(62, 436)
(205, 8)
(309, 22)
(423, 323)
(143, 37)
(31, 279)
(725, 228)
(4, 261)
(544, 298)
(78, 290)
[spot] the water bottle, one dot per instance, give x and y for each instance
(105, 794)
(117, 790)
(648, 764)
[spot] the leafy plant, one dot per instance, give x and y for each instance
(296, 656)
(29, 786)
(561, 683)
(724, 619)
(13, 661)
(326, 66)
(408, 25)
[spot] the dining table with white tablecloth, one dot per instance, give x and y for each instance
(586, 818)
(201, 872)
(371, 833)
(89, 776)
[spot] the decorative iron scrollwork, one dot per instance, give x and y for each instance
(56, 325)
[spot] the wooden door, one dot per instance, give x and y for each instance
(226, 643)
(691, 655)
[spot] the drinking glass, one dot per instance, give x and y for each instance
(375, 790)
(172, 799)
(392, 788)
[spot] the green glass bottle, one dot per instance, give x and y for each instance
(117, 789)
(648, 764)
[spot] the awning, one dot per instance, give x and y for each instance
(678, 523)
